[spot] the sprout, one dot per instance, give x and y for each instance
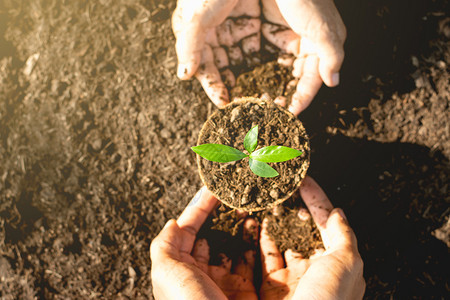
(257, 159)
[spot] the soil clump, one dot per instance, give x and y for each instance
(271, 79)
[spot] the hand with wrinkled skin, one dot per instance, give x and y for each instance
(180, 267)
(333, 273)
(213, 35)
(312, 31)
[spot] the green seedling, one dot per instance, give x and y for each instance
(257, 159)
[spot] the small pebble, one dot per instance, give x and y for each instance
(165, 133)
(96, 144)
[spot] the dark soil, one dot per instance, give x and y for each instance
(284, 224)
(96, 130)
(234, 183)
(270, 78)
(224, 232)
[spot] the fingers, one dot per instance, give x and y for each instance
(242, 39)
(317, 254)
(317, 202)
(292, 257)
(235, 56)
(168, 242)
(332, 223)
(308, 85)
(271, 259)
(285, 60)
(220, 57)
(330, 62)
(246, 264)
(169, 267)
(285, 39)
(194, 215)
(200, 25)
(225, 262)
(201, 254)
(250, 231)
(232, 31)
(189, 47)
(319, 22)
(234, 286)
(298, 64)
(251, 45)
(222, 62)
(340, 235)
(246, 8)
(191, 21)
(330, 49)
(272, 13)
(308, 80)
(209, 77)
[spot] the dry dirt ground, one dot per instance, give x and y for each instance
(95, 131)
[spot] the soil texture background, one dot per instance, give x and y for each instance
(96, 130)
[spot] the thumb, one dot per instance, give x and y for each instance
(338, 234)
(167, 243)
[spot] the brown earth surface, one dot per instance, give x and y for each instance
(96, 130)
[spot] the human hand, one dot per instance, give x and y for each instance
(333, 273)
(313, 31)
(180, 267)
(213, 36)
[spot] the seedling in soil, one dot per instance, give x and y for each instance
(257, 159)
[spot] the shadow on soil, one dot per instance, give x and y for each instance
(385, 191)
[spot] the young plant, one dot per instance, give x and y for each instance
(257, 159)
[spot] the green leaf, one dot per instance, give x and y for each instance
(275, 154)
(262, 169)
(251, 139)
(218, 153)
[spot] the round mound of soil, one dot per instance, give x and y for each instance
(234, 183)
(270, 78)
(288, 231)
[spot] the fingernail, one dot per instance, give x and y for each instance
(182, 71)
(196, 198)
(341, 213)
(335, 79)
